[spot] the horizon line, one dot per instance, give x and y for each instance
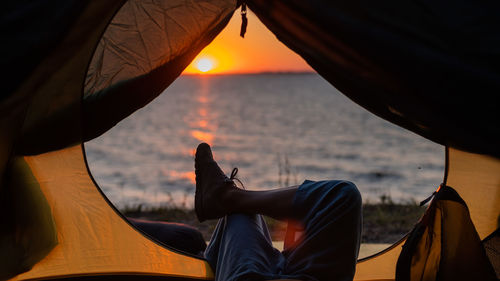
(249, 73)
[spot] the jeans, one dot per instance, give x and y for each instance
(329, 215)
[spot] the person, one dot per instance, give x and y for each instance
(328, 213)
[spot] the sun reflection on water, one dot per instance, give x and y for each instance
(189, 175)
(203, 136)
(203, 127)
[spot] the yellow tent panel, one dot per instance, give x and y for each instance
(93, 238)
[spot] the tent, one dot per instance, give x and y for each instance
(73, 69)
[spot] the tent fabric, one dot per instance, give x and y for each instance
(381, 266)
(55, 83)
(492, 246)
(29, 38)
(145, 35)
(37, 45)
(28, 231)
(93, 238)
(430, 67)
(45, 114)
(476, 178)
(137, 59)
(51, 77)
(39, 36)
(444, 245)
(144, 48)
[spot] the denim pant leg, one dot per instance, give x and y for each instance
(330, 215)
(241, 249)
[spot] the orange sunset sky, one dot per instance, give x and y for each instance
(259, 51)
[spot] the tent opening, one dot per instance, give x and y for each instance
(279, 123)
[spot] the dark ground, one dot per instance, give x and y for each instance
(384, 222)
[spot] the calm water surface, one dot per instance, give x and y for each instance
(278, 129)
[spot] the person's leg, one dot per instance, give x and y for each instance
(217, 196)
(276, 203)
(330, 216)
(329, 211)
(241, 249)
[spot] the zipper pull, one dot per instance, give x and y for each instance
(244, 20)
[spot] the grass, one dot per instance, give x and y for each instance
(388, 222)
(383, 222)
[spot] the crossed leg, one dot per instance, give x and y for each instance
(329, 212)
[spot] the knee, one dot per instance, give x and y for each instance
(347, 193)
(328, 200)
(351, 194)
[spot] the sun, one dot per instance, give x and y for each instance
(205, 64)
(210, 62)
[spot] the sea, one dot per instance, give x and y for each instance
(277, 129)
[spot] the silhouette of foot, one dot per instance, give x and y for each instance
(212, 186)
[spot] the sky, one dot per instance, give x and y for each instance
(259, 51)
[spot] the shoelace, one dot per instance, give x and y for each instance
(233, 177)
